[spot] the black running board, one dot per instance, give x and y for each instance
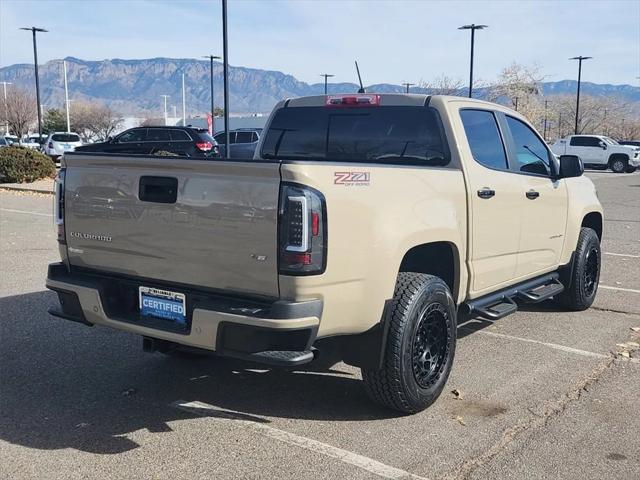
(502, 303)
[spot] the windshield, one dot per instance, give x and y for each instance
(362, 134)
(610, 141)
(65, 137)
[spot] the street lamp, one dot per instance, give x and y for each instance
(544, 134)
(326, 75)
(165, 108)
(407, 84)
(225, 77)
(211, 59)
(35, 61)
(580, 59)
(6, 107)
(66, 95)
(473, 27)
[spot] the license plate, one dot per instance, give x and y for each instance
(158, 303)
(66, 146)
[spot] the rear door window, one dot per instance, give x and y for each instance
(244, 137)
(158, 135)
(391, 134)
(484, 138)
(585, 142)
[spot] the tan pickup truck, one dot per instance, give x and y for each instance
(365, 228)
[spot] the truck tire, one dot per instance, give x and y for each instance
(631, 169)
(618, 163)
(581, 284)
(420, 345)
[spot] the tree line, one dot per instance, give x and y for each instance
(518, 87)
(91, 120)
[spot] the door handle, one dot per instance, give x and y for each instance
(532, 194)
(486, 193)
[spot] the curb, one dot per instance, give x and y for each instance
(29, 190)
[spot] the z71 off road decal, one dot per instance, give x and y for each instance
(352, 179)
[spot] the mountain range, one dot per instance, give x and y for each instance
(134, 87)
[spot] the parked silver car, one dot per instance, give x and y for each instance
(58, 143)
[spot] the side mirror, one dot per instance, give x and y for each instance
(570, 166)
(603, 145)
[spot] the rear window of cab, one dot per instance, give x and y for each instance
(65, 137)
(378, 134)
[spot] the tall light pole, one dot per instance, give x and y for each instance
(165, 107)
(225, 75)
(6, 107)
(407, 84)
(580, 59)
(211, 59)
(473, 27)
(66, 94)
(184, 104)
(34, 30)
(544, 134)
(326, 75)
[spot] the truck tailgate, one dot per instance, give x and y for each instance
(209, 224)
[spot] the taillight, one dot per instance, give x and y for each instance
(204, 146)
(360, 100)
(50, 144)
(58, 207)
(302, 230)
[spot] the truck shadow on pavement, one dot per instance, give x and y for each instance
(65, 385)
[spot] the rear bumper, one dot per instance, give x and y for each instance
(226, 325)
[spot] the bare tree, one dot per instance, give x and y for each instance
(443, 85)
(21, 112)
(94, 121)
(519, 82)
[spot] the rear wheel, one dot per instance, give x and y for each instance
(581, 284)
(420, 345)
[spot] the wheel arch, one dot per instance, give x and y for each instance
(441, 259)
(615, 156)
(593, 220)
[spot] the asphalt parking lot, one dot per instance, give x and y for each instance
(543, 393)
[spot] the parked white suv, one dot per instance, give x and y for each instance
(598, 151)
(59, 143)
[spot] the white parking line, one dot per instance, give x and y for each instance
(621, 255)
(11, 210)
(360, 461)
(555, 346)
(607, 287)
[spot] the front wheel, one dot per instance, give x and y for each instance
(618, 165)
(581, 283)
(631, 169)
(420, 345)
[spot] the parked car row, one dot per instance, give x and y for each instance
(598, 151)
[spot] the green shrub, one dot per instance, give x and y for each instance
(20, 165)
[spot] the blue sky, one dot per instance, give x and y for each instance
(394, 41)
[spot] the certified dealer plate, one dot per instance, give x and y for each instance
(158, 303)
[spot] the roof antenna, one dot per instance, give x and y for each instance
(361, 90)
